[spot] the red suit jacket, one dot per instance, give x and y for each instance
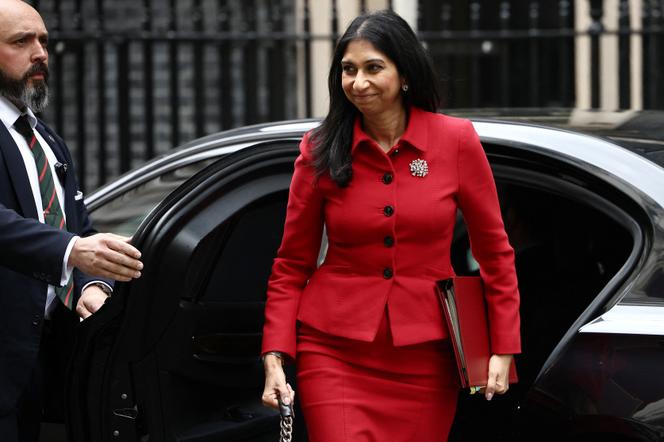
(389, 236)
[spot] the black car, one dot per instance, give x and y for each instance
(174, 355)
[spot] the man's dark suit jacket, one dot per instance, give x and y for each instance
(31, 255)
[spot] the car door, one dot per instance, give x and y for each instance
(174, 354)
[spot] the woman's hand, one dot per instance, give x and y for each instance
(499, 369)
(275, 383)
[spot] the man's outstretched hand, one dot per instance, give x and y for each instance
(107, 255)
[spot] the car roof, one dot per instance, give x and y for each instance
(621, 151)
(210, 146)
(640, 131)
(618, 165)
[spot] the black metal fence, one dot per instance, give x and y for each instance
(132, 79)
(502, 53)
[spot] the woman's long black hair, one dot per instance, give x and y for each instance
(390, 34)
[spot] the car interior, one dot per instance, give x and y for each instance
(566, 251)
(567, 248)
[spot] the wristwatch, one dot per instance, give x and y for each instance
(104, 287)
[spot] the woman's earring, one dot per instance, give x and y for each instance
(404, 88)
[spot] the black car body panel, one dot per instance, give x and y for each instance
(174, 355)
(180, 324)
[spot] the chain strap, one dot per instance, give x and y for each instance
(286, 424)
(286, 434)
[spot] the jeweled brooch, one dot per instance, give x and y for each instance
(419, 168)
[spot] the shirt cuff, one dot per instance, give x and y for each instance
(108, 289)
(66, 268)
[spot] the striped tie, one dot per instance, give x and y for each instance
(50, 203)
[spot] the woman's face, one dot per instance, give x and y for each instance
(370, 79)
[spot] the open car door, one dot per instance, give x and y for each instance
(174, 355)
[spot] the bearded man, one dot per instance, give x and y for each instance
(49, 251)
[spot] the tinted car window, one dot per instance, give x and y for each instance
(126, 212)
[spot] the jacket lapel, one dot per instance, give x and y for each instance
(17, 173)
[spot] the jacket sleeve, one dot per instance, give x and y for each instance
(296, 258)
(478, 200)
(32, 248)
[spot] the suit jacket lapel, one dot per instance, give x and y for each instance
(16, 170)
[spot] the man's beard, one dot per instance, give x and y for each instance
(24, 93)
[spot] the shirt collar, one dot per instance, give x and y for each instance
(9, 113)
(416, 134)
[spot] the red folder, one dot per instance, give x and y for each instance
(464, 307)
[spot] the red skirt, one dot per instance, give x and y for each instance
(354, 391)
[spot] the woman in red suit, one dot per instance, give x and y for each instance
(384, 174)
